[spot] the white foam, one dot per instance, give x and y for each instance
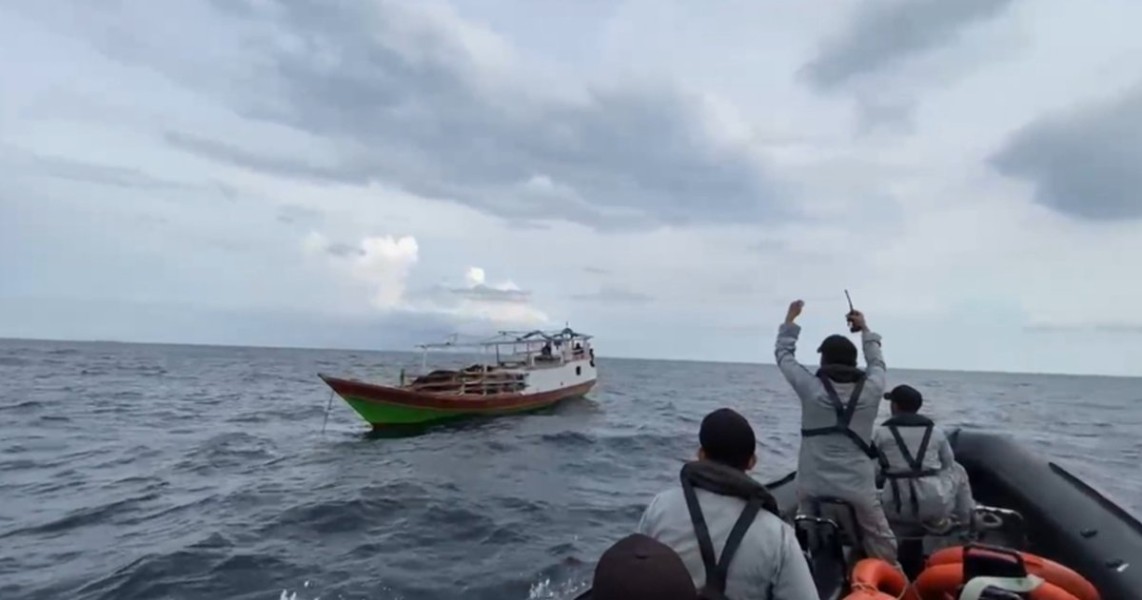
(545, 590)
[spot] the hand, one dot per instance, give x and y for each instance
(794, 310)
(856, 319)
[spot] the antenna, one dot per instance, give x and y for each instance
(852, 328)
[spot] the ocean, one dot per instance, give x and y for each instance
(140, 472)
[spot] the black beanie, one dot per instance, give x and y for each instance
(838, 350)
(727, 438)
(639, 567)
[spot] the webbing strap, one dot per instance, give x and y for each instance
(844, 412)
(716, 571)
(915, 464)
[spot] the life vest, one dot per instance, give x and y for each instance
(725, 481)
(845, 412)
(915, 464)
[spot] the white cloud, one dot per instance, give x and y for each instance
(381, 268)
(474, 276)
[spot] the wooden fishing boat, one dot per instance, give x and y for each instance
(530, 371)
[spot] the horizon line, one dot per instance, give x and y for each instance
(414, 351)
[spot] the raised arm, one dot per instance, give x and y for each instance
(875, 369)
(785, 351)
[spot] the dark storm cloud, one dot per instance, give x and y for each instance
(1084, 163)
(885, 32)
(411, 106)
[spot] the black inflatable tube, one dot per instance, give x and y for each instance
(1068, 521)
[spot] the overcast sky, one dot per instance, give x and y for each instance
(666, 175)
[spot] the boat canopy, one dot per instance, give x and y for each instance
(518, 348)
(533, 338)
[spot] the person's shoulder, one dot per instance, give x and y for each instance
(771, 526)
(666, 500)
(939, 432)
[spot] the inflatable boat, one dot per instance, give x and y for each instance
(1040, 532)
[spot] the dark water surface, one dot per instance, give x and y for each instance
(134, 472)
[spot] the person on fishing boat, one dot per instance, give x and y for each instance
(839, 403)
(924, 485)
(726, 526)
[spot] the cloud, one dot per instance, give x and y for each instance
(104, 174)
(1083, 162)
(478, 290)
(292, 214)
(89, 172)
(383, 265)
(503, 303)
(884, 33)
(410, 94)
(614, 295)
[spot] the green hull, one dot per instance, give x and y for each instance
(382, 406)
(380, 414)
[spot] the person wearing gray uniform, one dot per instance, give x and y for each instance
(839, 403)
(924, 485)
(726, 526)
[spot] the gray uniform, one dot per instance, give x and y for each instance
(768, 564)
(834, 465)
(931, 486)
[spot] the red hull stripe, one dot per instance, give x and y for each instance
(389, 395)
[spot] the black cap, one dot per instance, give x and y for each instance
(639, 567)
(838, 350)
(906, 397)
(727, 438)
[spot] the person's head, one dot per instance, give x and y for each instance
(905, 399)
(727, 438)
(838, 350)
(639, 567)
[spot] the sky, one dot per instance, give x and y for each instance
(664, 175)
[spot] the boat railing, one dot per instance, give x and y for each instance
(469, 382)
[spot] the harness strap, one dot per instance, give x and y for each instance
(844, 412)
(916, 468)
(717, 571)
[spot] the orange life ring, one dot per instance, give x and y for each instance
(1054, 573)
(875, 579)
(940, 582)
